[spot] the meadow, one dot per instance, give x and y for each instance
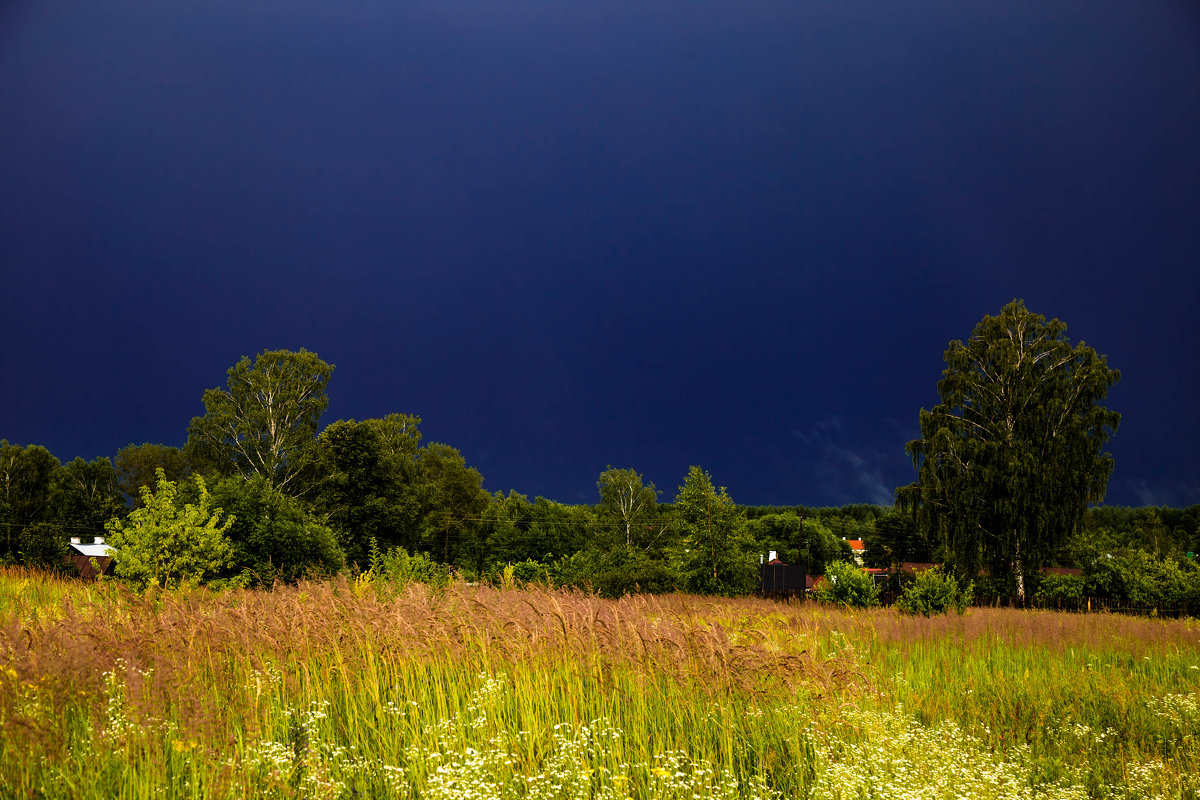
(372, 689)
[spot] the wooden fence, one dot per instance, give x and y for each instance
(1094, 605)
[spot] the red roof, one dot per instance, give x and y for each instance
(855, 544)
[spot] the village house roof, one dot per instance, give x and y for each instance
(98, 550)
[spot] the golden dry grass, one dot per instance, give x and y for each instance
(680, 673)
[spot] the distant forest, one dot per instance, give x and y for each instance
(296, 499)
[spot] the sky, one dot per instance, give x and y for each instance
(570, 234)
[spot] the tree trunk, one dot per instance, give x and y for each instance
(1019, 568)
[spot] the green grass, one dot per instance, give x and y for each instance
(342, 690)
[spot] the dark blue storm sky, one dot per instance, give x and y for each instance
(574, 233)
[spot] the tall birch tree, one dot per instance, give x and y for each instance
(1010, 458)
(630, 508)
(265, 421)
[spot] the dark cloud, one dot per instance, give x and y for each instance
(573, 235)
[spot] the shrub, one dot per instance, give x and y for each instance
(523, 573)
(1141, 579)
(164, 545)
(574, 570)
(400, 568)
(1060, 588)
(847, 585)
(934, 591)
(624, 572)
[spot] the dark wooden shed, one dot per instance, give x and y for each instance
(777, 579)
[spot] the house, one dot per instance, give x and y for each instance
(92, 560)
(879, 577)
(857, 549)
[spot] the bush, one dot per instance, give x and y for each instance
(521, 573)
(163, 545)
(1141, 579)
(400, 568)
(934, 591)
(624, 572)
(847, 585)
(1060, 588)
(613, 573)
(575, 570)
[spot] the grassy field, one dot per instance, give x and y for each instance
(345, 690)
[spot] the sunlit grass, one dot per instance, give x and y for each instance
(353, 690)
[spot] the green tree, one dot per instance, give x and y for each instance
(368, 487)
(1009, 459)
(505, 536)
(894, 540)
(1154, 537)
(560, 529)
(629, 508)
(136, 465)
(265, 421)
(453, 499)
(44, 545)
(718, 553)
(26, 496)
(803, 541)
(820, 547)
(273, 537)
(86, 496)
(165, 544)
(783, 533)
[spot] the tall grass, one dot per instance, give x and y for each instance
(331, 690)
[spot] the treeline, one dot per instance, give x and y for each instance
(374, 495)
(290, 498)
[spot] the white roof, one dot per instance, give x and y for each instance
(92, 550)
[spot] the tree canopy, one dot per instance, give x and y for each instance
(1009, 459)
(630, 508)
(25, 491)
(273, 537)
(136, 466)
(1007, 465)
(265, 421)
(718, 552)
(367, 486)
